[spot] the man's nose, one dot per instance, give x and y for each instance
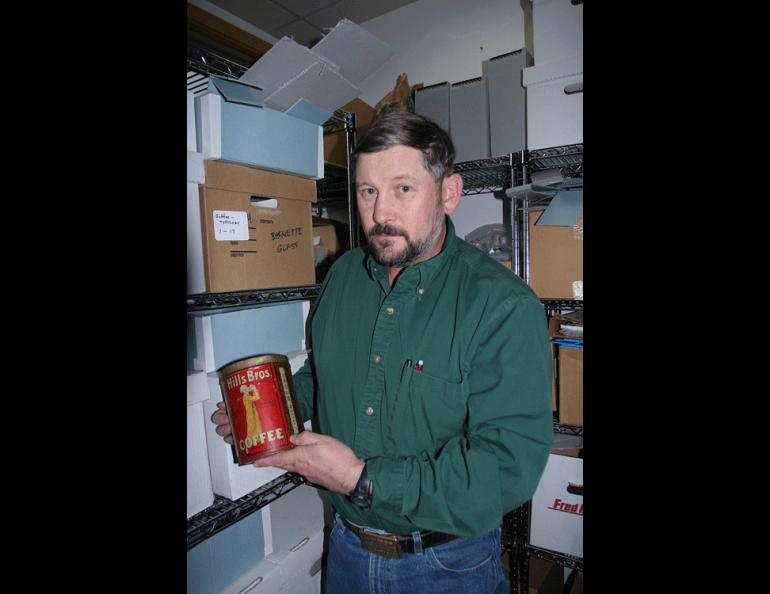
(383, 209)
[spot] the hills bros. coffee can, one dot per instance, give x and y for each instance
(259, 395)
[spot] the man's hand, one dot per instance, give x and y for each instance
(321, 459)
(222, 421)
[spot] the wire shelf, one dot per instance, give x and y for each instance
(225, 512)
(558, 558)
(485, 175)
(568, 159)
(209, 301)
(567, 429)
(558, 306)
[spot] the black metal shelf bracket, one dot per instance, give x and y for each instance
(225, 512)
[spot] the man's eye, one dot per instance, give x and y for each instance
(368, 191)
(404, 189)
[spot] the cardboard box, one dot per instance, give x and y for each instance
(554, 103)
(335, 147)
(555, 381)
(232, 125)
(557, 29)
(556, 518)
(555, 259)
(545, 577)
(214, 340)
(268, 217)
(329, 239)
(570, 386)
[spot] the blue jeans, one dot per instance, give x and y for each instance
(460, 566)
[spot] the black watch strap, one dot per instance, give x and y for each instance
(361, 495)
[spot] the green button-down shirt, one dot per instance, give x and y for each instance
(441, 382)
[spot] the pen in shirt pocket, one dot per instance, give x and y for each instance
(407, 365)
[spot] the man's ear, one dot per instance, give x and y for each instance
(451, 192)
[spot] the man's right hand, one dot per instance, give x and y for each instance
(222, 421)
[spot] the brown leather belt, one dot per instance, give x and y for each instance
(392, 545)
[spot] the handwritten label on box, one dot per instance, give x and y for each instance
(231, 225)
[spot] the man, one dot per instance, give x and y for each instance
(430, 374)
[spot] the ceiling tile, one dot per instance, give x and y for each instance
(264, 14)
(304, 7)
(301, 32)
(357, 11)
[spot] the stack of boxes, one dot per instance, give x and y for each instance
(255, 148)
(555, 83)
(484, 116)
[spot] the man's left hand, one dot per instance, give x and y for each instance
(321, 459)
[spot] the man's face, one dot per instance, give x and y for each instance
(400, 205)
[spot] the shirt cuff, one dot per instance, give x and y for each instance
(388, 477)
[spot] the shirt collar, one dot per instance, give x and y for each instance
(426, 270)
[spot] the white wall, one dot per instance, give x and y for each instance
(446, 41)
(443, 40)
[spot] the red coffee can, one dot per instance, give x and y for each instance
(259, 395)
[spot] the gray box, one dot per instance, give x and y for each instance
(469, 119)
(433, 102)
(507, 102)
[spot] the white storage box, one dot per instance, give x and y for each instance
(196, 279)
(554, 103)
(556, 521)
(557, 29)
(191, 141)
(237, 128)
(294, 528)
(227, 478)
(264, 578)
(195, 170)
(200, 494)
(225, 559)
(226, 337)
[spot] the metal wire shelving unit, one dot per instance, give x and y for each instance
(492, 174)
(207, 302)
(565, 162)
(226, 512)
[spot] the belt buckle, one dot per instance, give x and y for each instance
(380, 544)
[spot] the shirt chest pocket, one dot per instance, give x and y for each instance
(428, 410)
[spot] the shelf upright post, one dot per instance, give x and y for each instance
(350, 143)
(525, 219)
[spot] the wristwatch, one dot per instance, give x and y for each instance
(361, 495)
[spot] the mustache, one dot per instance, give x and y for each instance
(379, 229)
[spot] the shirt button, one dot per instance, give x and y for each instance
(369, 411)
(377, 358)
(390, 310)
(420, 290)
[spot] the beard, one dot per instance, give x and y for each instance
(382, 237)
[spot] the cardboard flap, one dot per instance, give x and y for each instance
(234, 91)
(354, 50)
(326, 75)
(310, 112)
(320, 84)
(284, 61)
